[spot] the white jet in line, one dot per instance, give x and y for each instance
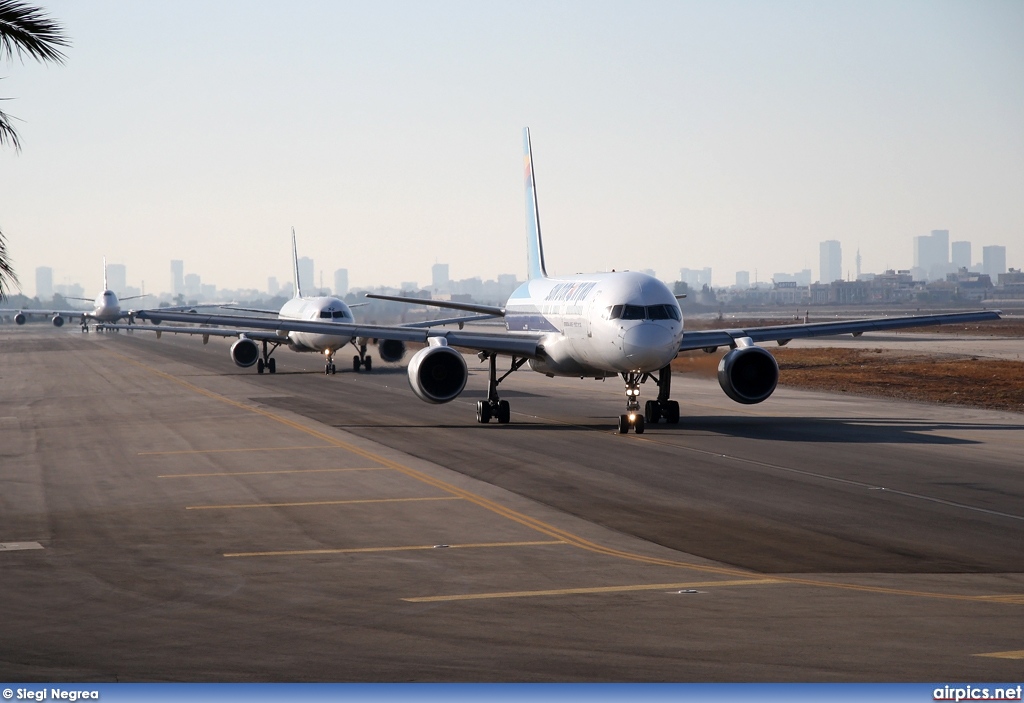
(255, 347)
(596, 325)
(106, 307)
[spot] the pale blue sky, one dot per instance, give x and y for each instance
(735, 135)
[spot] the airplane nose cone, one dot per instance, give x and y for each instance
(648, 346)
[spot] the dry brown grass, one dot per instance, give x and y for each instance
(969, 381)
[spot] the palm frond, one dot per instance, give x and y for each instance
(8, 135)
(28, 30)
(7, 275)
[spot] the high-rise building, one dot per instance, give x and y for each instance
(931, 255)
(696, 279)
(272, 286)
(177, 277)
(993, 261)
(830, 262)
(961, 258)
(306, 282)
(44, 283)
(439, 277)
(193, 285)
(743, 279)
(117, 278)
(341, 283)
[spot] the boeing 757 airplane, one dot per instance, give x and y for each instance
(596, 325)
(105, 308)
(255, 346)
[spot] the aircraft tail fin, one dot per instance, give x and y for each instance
(534, 247)
(105, 287)
(295, 267)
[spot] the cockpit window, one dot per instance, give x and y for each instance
(639, 312)
(339, 313)
(633, 312)
(325, 314)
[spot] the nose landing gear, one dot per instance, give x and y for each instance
(654, 410)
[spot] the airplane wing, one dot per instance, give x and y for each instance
(205, 332)
(710, 339)
(498, 343)
(468, 307)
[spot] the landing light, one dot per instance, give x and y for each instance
(632, 417)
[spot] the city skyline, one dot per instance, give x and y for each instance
(732, 136)
(929, 264)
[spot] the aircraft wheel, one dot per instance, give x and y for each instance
(638, 424)
(483, 412)
(504, 412)
(672, 412)
(623, 424)
(260, 366)
(368, 363)
(355, 363)
(272, 365)
(334, 369)
(652, 411)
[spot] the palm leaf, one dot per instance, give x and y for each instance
(28, 30)
(7, 274)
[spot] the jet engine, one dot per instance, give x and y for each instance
(437, 373)
(58, 321)
(748, 374)
(19, 319)
(390, 350)
(245, 352)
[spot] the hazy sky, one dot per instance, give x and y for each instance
(736, 135)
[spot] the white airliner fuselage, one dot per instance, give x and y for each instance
(598, 324)
(319, 309)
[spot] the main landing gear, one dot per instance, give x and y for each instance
(493, 406)
(362, 359)
(265, 362)
(654, 410)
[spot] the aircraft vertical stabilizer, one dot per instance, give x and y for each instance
(105, 286)
(295, 267)
(534, 247)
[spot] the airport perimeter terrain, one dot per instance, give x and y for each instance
(168, 516)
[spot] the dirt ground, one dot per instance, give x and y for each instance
(1013, 327)
(953, 380)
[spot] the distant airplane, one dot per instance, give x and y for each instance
(595, 325)
(105, 308)
(256, 346)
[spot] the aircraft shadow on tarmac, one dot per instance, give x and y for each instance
(836, 430)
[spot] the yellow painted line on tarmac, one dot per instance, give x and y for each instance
(318, 502)
(279, 471)
(1019, 654)
(597, 589)
(241, 449)
(551, 530)
(411, 548)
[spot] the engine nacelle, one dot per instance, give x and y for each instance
(19, 319)
(58, 321)
(748, 374)
(437, 373)
(390, 350)
(245, 353)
